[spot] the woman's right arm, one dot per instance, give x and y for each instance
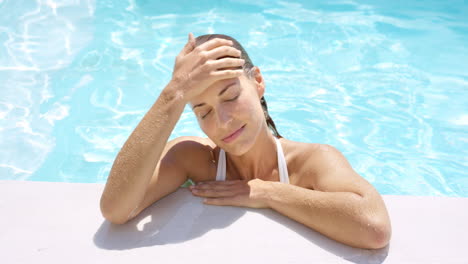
(146, 162)
(136, 161)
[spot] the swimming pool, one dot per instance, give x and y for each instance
(384, 82)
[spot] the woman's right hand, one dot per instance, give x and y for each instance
(197, 68)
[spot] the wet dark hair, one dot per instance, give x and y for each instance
(247, 68)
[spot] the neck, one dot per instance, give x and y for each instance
(259, 161)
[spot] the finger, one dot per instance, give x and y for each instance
(223, 201)
(213, 187)
(190, 45)
(212, 192)
(191, 38)
(222, 52)
(219, 182)
(227, 74)
(214, 43)
(226, 63)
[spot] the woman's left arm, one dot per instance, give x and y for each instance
(343, 216)
(342, 204)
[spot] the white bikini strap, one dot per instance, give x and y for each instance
(283, 168)
(221, 172)
(282, 165)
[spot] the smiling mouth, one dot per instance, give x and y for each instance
(234, 135)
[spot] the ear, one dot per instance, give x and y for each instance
(258, 81)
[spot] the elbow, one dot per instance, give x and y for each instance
(114, 219)
(110, 214)
(379, 235)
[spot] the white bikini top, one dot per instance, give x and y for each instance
(283, 169)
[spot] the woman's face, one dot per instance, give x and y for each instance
(227, 106)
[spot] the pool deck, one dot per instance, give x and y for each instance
(61, 223)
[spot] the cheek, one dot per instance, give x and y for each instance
(250, 110)
(206, 126)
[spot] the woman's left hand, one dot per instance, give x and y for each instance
(253, 193)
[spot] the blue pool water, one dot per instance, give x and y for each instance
(386, 82)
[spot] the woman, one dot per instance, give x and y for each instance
(242, 162)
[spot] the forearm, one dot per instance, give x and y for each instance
(342, 216)
(136, 161)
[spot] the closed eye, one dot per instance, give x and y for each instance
(233, 98)
(237, 96)
(203, 117)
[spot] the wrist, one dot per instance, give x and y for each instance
(270, 189)
(172, 91)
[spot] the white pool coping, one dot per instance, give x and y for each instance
(44, 222)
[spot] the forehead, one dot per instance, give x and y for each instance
(213, 91)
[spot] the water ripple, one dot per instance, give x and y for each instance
(78, 76)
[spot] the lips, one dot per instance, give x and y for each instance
(234, 135)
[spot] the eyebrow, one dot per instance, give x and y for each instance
(220, 93)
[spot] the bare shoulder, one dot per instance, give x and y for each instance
(189, 146)
(298, 156)
(188, 143)
(313, 164)
(195, 154)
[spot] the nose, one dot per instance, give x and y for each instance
(224, 118)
